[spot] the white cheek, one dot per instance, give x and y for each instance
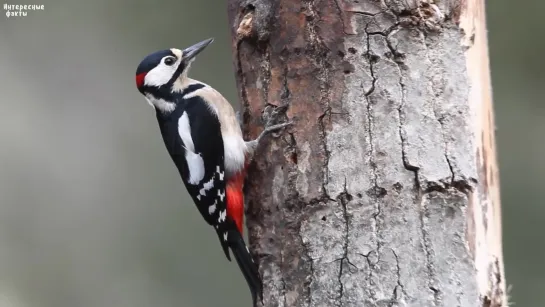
(160, 75)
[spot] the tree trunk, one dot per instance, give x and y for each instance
(384, 192)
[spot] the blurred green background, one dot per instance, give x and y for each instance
(92, 211)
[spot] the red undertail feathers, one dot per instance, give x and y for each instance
(235, 200)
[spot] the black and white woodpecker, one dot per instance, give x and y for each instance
(202, 134)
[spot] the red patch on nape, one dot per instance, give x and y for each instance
(140, 79)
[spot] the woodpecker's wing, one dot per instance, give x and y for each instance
(202, 164)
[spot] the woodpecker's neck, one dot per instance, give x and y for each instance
(166, 100)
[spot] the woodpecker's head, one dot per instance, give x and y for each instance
(161, 74)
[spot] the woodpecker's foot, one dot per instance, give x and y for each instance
(272, 118)
(269, 127)
(273, 128)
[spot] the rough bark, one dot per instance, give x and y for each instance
(384, 192)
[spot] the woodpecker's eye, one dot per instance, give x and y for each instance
(170, 60)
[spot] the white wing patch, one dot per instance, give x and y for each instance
(195, 162)
(225, 236)
(184, 129)
(196, 167)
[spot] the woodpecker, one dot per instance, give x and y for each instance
(202, 135)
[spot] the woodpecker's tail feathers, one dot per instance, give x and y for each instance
(246, 264)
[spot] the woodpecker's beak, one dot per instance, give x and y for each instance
(190, 52)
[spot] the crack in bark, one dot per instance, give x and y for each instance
(371, 67)
(419, 196)
(323, 76)
(399, 283)
(452, 178)
(341, 16)
(285, 95)
(438, 118)
(282, 280)
(243, 94)
(384, 33)
(370, 265)
(461, 185)
(327, 152)
(424, 212)
(306, 251)
(426, 241)
(343, 199)
(374, 195)
(398, 59)
(341, 287)
(266, 72)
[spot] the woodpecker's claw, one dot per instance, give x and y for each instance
(273, 117)
(273, 128)
(269, 127)
(252, 145)
(280, 109)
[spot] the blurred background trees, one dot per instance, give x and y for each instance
(93, 213)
